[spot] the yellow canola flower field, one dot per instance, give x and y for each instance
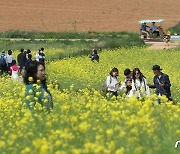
(81, 72)
(84, 121)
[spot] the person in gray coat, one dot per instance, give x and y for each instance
(161, 82)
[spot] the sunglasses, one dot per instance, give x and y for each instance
(137, 73)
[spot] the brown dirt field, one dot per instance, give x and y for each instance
(85, 15)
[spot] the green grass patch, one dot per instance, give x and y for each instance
(68, 47)
(175, 29)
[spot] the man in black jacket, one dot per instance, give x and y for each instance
(21, 58)
(161, 82)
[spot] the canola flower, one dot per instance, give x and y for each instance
(84, 121)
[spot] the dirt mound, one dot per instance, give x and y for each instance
(85, 15)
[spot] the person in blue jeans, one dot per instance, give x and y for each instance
(36, 87)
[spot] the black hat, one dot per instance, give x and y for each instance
(156, 67)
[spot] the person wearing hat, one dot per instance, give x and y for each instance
(161, 82)
(154, 28)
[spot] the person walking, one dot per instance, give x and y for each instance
(161, 82)
(40, 56)
(21, 58)
(28, 61)
(3, 62)
(10, 58)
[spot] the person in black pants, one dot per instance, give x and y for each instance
(21, 58)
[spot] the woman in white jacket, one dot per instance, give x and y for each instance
(112, 82)
(139, 85)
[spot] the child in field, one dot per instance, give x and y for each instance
(126, 86)
(128, 74)
(167, 39)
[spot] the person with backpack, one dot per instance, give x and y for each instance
(28, 61)
(112, 83)
(139, 85)
(28, 52)
(40, 56)
(10, 58)
(3, 63)
(161, 82)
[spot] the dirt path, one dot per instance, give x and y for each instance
(23, 39)
(162, 45)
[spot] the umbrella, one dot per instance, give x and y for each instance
(150, 21)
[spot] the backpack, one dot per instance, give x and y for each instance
(2, 61)
(41, 57)
(105, 87)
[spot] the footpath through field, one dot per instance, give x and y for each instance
(152, 45)
(161, 45)
(23, 39)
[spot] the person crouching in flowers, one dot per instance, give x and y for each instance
(36, 88)
(112, 82)
(139, 85)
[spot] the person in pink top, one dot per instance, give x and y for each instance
(14, 70)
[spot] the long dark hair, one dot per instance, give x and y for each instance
(140, 73)
(128, 88)
(113, 70)
(31, 72)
